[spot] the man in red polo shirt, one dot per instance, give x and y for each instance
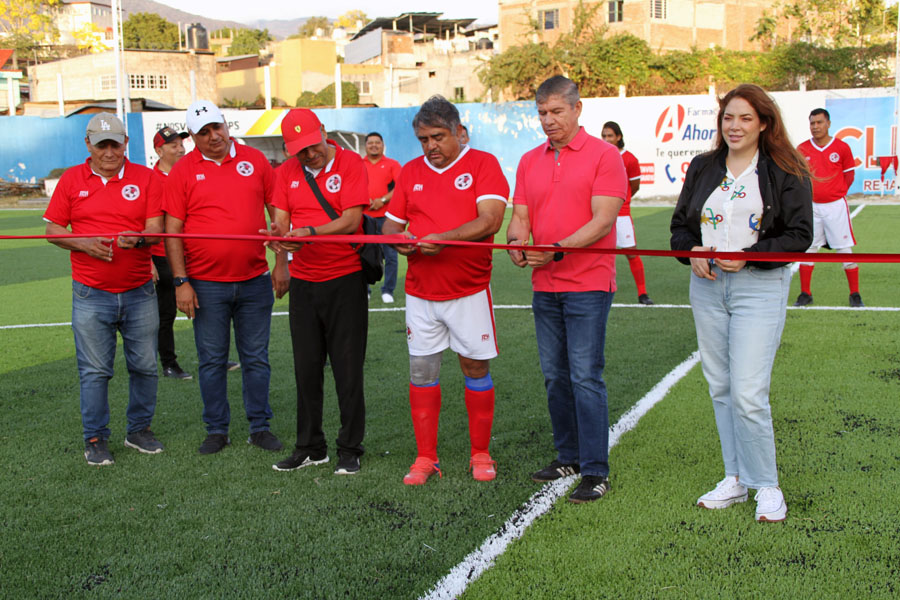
(568, 193)
(222, 187)
(451, 193)
(328, 305)
(832, 164)
(111, 283)
(382, 172)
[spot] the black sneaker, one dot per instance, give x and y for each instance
(645, 299)
(97, 453)
(232, 365)
(856, 301)
(592, 487)
(348, 464)
(298, 460)
(265, 440)
(213, 443)
(803, 299)
(554, 471)
(176, 372)
(143, 441)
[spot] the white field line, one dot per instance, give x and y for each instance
(520, 307)
(477, 562)
(796, 266)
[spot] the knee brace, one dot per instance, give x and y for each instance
(424, 370)
(847, 265)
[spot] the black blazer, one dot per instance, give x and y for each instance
(787, 220)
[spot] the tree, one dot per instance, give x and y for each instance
(27, 25)
(313, 25)
(349, 95)
(349, 19)
(249, 41)
(91, 38)
(149, 31)
(829, 23)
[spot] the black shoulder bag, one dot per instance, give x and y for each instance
(369, 254)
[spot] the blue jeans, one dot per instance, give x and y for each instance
(739, 318)
(96, 316)
(571, 334)
(390, 262)
(249, 305)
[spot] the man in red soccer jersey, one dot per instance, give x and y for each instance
(328, 305)
(383, 173)
(222, 187)
(111, 285)
(832, 164)
(451, 193)
(169, 147)
(568, 193)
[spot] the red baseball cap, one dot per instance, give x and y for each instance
(300, 129)
(166, 135)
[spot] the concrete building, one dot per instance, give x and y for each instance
(297, 65)
(168, 77)
(77, 20)
(403, 60)
(663, 24)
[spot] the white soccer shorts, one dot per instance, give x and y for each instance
(465, 325)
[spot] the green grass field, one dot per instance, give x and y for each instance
(182, 525)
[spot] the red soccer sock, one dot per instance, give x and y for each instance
(425, 409)
(637, 271)
(853, 279)
(805, 278)
(480, 406)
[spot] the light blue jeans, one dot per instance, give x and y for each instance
(739, 318)
(96, 317)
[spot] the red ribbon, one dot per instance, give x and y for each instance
(401, 239)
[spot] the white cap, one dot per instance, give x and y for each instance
(202, 112)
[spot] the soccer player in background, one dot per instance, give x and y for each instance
(832, 164)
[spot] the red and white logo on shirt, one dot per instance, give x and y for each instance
(295, 184)
(131, 192)
(463, 182)
(245, 168)
(834, 157)
(333, 183)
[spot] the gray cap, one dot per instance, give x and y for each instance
(105, 126)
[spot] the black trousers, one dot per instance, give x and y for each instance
(329, 318)
(165, 297)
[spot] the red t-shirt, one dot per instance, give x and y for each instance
(633, 171)
(558, 195)
(436, 200)
(381, 173)
(222, 199)
(343, 183)
(162, 177)
(124, 204)
(828, 164)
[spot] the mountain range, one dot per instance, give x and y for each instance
(279, 28)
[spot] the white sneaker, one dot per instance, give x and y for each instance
(387, 298)
(770, 504)
(727, 492)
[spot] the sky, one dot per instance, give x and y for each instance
(242, 11)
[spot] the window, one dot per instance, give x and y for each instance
(548, 19)
(616, 11)
(459, 94)
(657, 9)
(107, 83)
(137, 82)
(364, 87)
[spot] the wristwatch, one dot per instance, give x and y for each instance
(179, 281)
(141, 242)
(558, 256)
(312, 230)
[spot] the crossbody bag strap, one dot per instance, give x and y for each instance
(329, 210)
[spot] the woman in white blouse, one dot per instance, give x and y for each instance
(751, 193)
